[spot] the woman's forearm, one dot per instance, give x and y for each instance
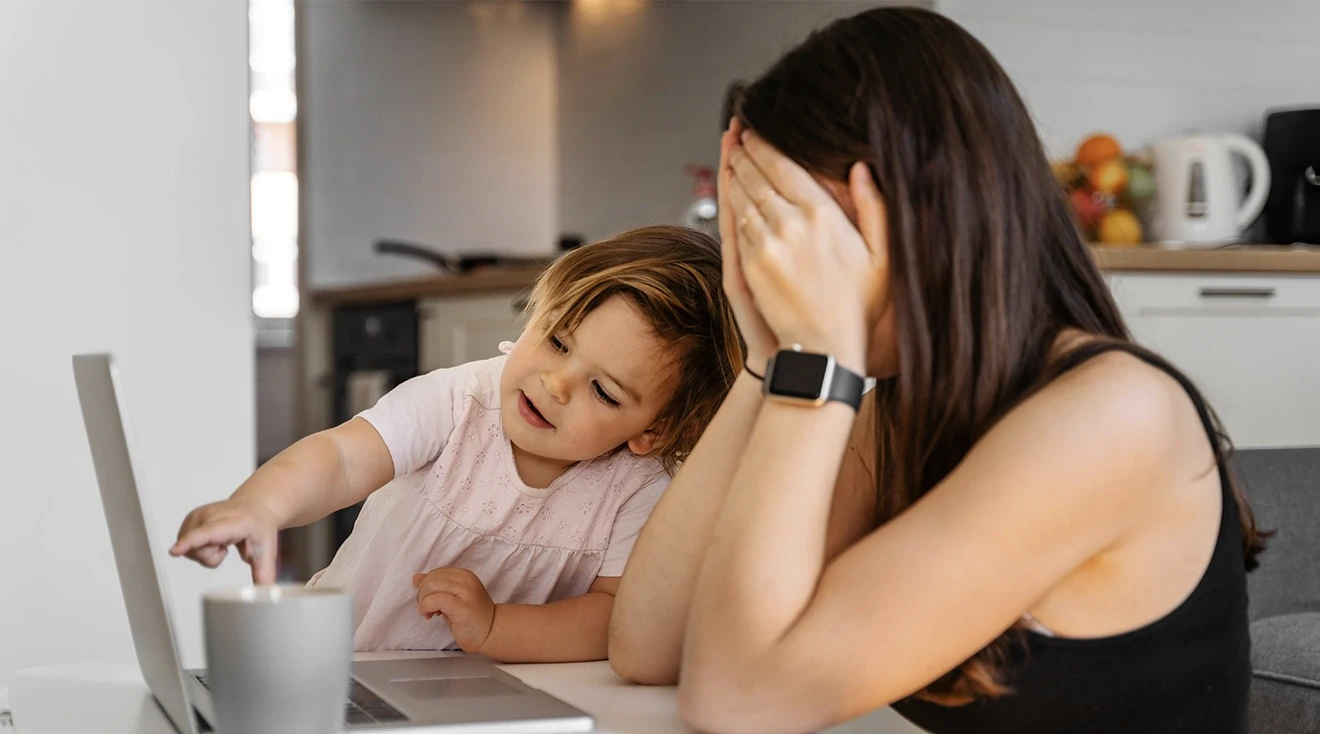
(762, 570)
(650, 609)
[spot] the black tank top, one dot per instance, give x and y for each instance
(1189, 671)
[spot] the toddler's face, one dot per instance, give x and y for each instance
(579, 395)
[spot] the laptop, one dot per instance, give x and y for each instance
(453, 695)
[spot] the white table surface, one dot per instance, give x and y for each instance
(113, 699)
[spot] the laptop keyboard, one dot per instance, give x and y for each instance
(363, 706)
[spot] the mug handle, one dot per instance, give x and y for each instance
(1251, 206)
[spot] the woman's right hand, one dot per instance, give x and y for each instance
(208, 531)
(761, 342)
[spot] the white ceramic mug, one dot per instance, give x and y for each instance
(278, 658)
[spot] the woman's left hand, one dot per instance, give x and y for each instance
(817, 280)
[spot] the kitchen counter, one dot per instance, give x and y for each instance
(1233, 259)
(486, 280)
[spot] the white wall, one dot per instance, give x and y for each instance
(432, 122)
(1144, 70)
(640, 86)
(123, 226)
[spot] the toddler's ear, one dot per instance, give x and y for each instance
(645, 443)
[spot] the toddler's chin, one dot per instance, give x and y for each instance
(536, 448)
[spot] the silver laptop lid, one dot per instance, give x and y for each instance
(139, 576)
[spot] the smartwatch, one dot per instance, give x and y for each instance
(807, 378)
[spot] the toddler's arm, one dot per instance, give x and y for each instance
(324, 472)
(568, 630)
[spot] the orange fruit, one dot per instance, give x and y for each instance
(1109, 177)
(1119, 227)
(1097, 149)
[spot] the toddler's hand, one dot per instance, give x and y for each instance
(208, 531)
(459, 596)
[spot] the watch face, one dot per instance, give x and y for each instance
(798, 374)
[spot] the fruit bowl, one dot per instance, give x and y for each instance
(1107, 190)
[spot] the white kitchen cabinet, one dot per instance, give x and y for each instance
(453, 330)
(1250, 342)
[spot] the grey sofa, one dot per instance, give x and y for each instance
(1284, 487)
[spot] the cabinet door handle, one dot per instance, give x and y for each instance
(1238, 292)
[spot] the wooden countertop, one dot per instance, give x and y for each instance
(1229, 259)
(486, 280)
(1234, 258)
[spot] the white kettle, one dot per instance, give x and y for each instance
(1198, 200)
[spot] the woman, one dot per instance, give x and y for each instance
(1029, 525)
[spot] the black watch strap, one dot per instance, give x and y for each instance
(846, 387)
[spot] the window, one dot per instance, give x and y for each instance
(273, 105)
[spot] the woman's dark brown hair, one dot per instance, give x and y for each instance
(987, 265)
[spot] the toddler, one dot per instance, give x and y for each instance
(511, 490)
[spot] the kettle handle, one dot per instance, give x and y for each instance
(1250, 207)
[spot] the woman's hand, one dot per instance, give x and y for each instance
(815, 279)
(761, 342)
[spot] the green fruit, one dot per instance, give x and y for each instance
(1141, 183)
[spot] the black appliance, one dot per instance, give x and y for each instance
(378, 339)
(1292, 144)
